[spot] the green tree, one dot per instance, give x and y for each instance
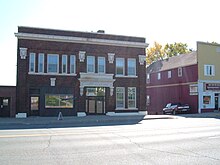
(154, 53)
(175, 49)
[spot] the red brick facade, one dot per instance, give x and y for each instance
(7, 101)
(47, 41)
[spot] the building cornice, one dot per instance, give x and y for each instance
(82, 40)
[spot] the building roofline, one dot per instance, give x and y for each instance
(154, 67)
(79, 31)
(83, 40)
(208, 43)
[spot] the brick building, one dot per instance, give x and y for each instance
(7, 101)
(79, 73)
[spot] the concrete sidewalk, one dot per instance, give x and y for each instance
(93, 120)
(74, 119)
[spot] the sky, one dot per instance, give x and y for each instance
(163, 21)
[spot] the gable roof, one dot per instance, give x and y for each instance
(173, 62)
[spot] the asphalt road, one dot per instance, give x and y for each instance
(161, 141)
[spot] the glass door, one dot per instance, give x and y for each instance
(35, 106)
(4, 107)
(95, 100)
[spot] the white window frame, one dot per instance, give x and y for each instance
(39, 62)
(180, 72)
(72, 64)
(193, 89)
(169, 74)
(135, 96)
(209, 70)
(66, 60)
(55, 55)
(101, 58)
(123, 89)
(135, 66)
(87, 65)
(123, 69)
(158, 76)
(32, 55)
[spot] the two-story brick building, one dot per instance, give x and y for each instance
(192, 78)
(79, 73)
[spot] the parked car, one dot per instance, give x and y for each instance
(174, 108)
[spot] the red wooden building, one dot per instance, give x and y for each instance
(172, 81)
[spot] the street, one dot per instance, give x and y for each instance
(161, 141)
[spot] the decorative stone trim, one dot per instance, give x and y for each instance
(23, 53)
(111, 57)
(82, 55)
(21, 115)
(96, 80)
(52, 82)
(81, 114)
(142, 59)
(140, 113)
(81, 90)
(52, 74)
(44, 37)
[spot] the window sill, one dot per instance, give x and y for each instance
(121, 76)
(126, 109)
(54, 74)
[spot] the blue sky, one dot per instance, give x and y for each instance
(167, 21)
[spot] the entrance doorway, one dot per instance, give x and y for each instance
(95, 100)
(4, 107)
(95, 105)
(34, 105)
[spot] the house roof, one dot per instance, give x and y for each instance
(173, 62)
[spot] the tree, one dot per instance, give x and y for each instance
(155, 53)
(175, 49)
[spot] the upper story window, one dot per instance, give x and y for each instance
(158, 76)
(120, 65)
(169, 74)
(180, 72)
(53, 63)
(101, 64)
(64, 64)
(209, 70)
(72, 64)
(90, 64)
(32, 62)
(40, 63)
(131, 67)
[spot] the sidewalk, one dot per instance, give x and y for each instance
(96, 120)
(75, 119)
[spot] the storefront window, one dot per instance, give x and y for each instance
(59, 101)
(206, 99)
